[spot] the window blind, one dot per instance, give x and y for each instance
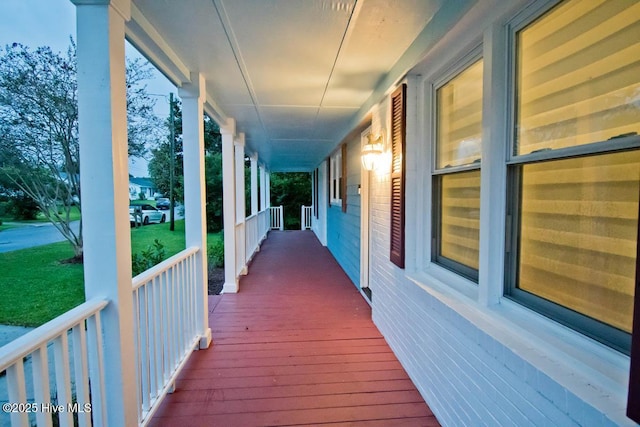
(460, 217)
(579, 221)
(578, 75)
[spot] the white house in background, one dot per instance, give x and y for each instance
(138, 186)
(496, 239)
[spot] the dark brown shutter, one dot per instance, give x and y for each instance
(343, 181)
(316, 175)
(329, 183)
(398, 134)
(633, 402)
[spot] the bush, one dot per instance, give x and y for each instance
(215, 254)
(23, 207)
(153, 255)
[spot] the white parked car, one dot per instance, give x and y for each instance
(146, 214)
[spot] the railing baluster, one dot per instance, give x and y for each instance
(144, 348)
(159, 334)
(180, 319)
(63, 377)
(174, 324)
(136, 343)
(41, 387)
(81, 374)
(195, 295)
(17, 392)
(153, 384)
(96, 370)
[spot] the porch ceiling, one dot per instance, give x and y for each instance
(294, 74)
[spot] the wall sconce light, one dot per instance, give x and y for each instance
(372, 151)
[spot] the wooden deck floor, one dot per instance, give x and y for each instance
(296, 346)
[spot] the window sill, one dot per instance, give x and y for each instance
(447, 281)
(593, 372)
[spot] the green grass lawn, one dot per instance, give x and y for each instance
(36, 287)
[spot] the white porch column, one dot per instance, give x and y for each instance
(254, 184)
(105, 200)
(267, 189)
(240, 184)
(241, 215)
(193, 96)
(263, 189)
(228, 132)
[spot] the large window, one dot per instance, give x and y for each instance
(456, 179)
(574, 169)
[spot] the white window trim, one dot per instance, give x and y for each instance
(336, 174)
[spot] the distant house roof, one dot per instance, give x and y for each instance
(142, 182)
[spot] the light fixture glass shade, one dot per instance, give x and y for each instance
(371, 152)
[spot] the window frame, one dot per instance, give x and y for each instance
(437, 174)
(335, 177)
(590, 327)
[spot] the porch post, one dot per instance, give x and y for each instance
(193, 95)
(263, 189)
(240, 206)
(228, 131)
(105, 193)
(267, 189)
(254, 184)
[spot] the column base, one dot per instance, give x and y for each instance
(230, 287)
(205, 340)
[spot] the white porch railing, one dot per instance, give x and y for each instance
(164, 305)
(251, 236)
(277, 217)
(305, 217)
(240, 249)
(264, 223)
(256, 229)
(76, 370)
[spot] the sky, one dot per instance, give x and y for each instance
(50, 23)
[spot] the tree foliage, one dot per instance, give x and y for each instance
(213, 177)
(160, 166)
(291, 190)
(39, 155)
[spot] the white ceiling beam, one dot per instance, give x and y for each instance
(143, 35)
(214, 111)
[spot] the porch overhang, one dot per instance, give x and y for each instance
(295, 76)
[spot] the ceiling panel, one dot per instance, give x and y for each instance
(288, 48)
(292, 73)
(383, 30)
(332, 121)
(289, 122)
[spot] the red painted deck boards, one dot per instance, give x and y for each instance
(296, 346)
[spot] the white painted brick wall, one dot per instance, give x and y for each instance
(466, 376)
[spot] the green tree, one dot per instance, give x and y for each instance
(39, 127)
(291, 190)
(213, 176)
(160, 163)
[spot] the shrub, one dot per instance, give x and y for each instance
(23, 207)
(215, 254)
(153, 255)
